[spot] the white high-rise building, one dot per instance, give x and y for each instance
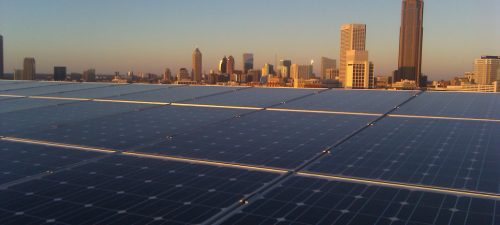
(353, 37)
(486, 70)
(359, 72)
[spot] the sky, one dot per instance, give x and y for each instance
(151, 35)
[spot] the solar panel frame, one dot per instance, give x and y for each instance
(43, 90)
(443, 153)
(308, 201)
(187, 193)
(18, 104)
(265, 138)
(454, 104)
(104, 92)
(358, 101)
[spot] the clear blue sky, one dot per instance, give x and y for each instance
(150, 35)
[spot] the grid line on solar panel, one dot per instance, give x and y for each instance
(20, 104)
(304, 200)
(442, 153)
(26, 85)
(110, 91)
(134, 187)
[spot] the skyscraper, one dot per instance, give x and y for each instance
(223, 65)
(410, 42)
(230, 65)
(327, 64)
(359, 73)
(29, 69)
(247, 62)
(197, 65)
(487, 70)
(267, 69)
(1, 56)
(89, 75)
(352, 37)
(59, 73)
(285, 68)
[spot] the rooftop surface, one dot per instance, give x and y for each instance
(99, 153)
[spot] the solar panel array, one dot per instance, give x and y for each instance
(100, 153)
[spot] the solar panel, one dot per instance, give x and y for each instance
(454, 104)
(26, 85)
(54, 89)
(129, 190)
(303, 200)
(445, 153)
(123, 131)
(269, 138)
(361, 101)
(16, 104)
(115, 90)
(255, 97)
(19, 122)
(20, 160)
(175, 93)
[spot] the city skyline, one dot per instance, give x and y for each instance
(168, 41)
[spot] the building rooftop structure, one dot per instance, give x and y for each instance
(102, 153)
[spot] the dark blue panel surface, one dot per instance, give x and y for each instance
(19, 160)
(308, 201)
(255, 97)
(176, 93)
(454, 104)
(70, 112)
(62, 87)
(129, 190)
(364, 101)
(445, 153)
(270, 138)
(26, 85)
(116, 90)
(16, 104)
(122, 131)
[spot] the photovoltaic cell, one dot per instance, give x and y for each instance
(454, 104)
(116, 90)
(129, 190)
(16, 104)
(444, 153)
(33, 121)
(175, 94)
(19, 160)
(361, 101)
(63, 87)
(255, 97)
(309, 201)
(123, 131)
(269, 138)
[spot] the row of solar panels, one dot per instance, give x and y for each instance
(462, 105)
(448, 153)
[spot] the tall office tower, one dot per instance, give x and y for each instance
(487, 70)
(247, 62)
(267, 69)
(18, 74)
(410, 42)
(352, 37)
(167, 75)
(59, 73)
(89, 75)
(230, 65)
(359, 73)
(29, 69)
(327, 64)
(183, 75)
(301, 72)
(1, 57)
(285, 68)
(197, 65)
(223, 66)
